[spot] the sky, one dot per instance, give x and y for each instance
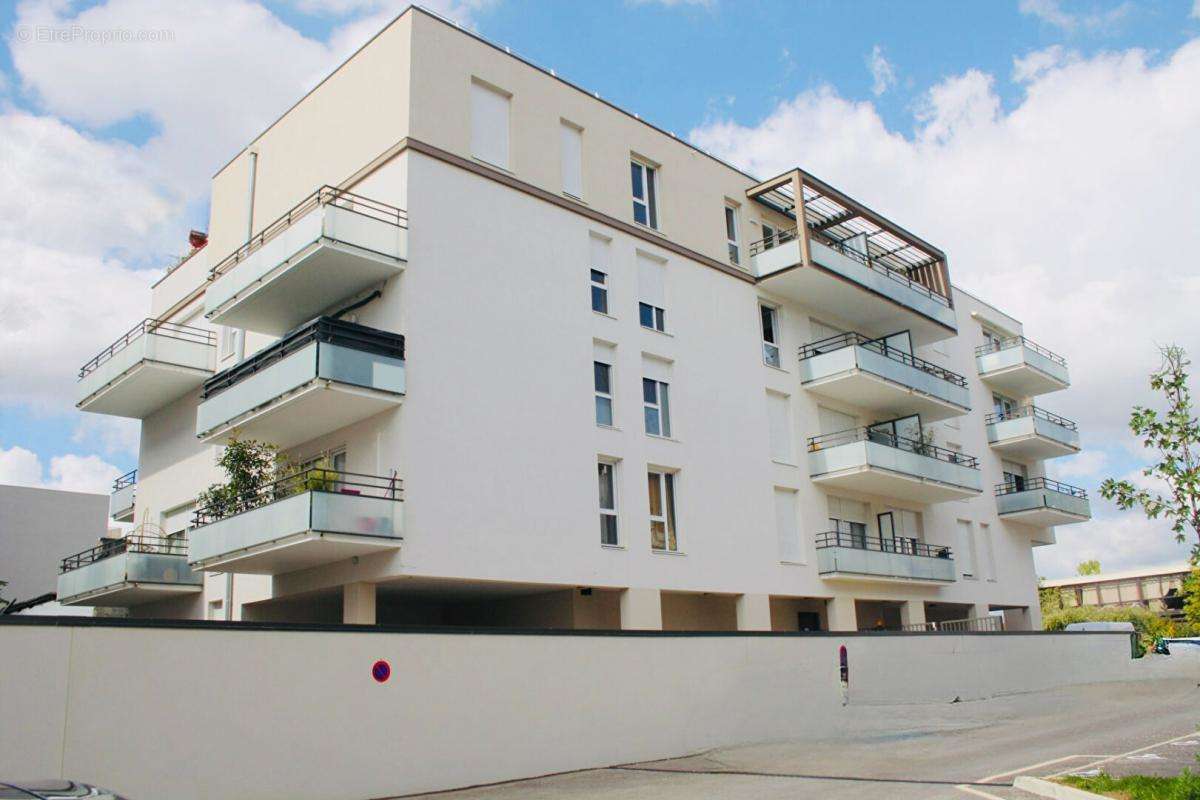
(1050, 147)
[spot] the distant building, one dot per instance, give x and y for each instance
(1155, 588)
(36, 527)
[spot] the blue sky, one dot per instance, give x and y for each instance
(876, 97)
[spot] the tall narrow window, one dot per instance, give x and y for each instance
(966, 548)
(599, 291)
(572, 159)
(608, 503)
(651, 293)
(663, 535)
(770, 334)
(602, 376)
(731, 233)
(655, 397)
(848, 519)
(644, 180)
(489, 124)
(768, 238)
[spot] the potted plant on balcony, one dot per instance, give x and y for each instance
(250, 467)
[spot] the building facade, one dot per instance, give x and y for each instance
(552, 366)
(1153, 588)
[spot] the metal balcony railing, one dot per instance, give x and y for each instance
(827, 440)
(973, 624)
(1029, 411)
(903, 277)
(880, 346)
(1019, 341)
(147, 326)
(125, 481)
(1034, 484)
(906, 546)
(321, 329)
(326, 195)
(313, 479)
(136, 543)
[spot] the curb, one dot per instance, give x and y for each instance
(1058, 791)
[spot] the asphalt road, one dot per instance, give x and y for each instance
(956, 751)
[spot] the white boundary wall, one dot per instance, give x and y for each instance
(212, 711)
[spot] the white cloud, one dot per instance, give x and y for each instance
(1118, 541)
(112, 435)
(1074, 211)
(20, 467)
(1051, 12)
(883, 74)
(1087, 464)
(1033, 65)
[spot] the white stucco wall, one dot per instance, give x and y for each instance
(296, 714)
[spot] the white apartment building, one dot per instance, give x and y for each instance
(572, 372)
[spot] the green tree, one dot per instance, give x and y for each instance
(1050, 599)
(250, 467)
(1191, 597)
(1089, 567)
(1174, 434)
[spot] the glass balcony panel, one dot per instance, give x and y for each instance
(128, 572)
(1029, 433)
(1019, 368)
(845, 557)
(892, 467)
(1041, 502)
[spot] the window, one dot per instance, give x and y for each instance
(599, 291)
(663, 535)
(1014, 475)
(768, 237)
(604, 405)
(652, 293)
(731, 232)
(231, 343)
(1003, 406)
(655, 398)
(216, 609)
(966, 548)
(899, 530)
(608, 503)
(644, 179)
(787, 527)
(991, 339)
(770, 334)
(489, 124)
(848, 519)
(572, 159)
(779, 427)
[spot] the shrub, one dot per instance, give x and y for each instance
(1149, 626)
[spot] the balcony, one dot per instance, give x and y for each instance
(1030, 433)
(312, 518)
(126, 572)
(120, 502)
(851, 262)
(850, 557)
(1042, 502)
(332, 246)
(1019, 368)
(151, 365)
(891, 466)
(868, 373)
(321, 377)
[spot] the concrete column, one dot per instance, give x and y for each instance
(979, 611)
(358, 603)
(842, 614)
(753, 612)
(912, 612)
(1016, 619)
(641, 610)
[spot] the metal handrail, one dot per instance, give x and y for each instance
(1018, 341)
(126, 480)
(134, 543)
(325, 195)
(973, 624)
(816, 443)
(1020, 412)
(906, 546)
(879, 345)
(312, 479)
(1029, 484)
(322, 329)
(171, 330)
(900, 276)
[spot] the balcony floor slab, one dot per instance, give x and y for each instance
(860, 388)
(143, 389)
(1044, 517)
(298, 551)
(129, 593)
(885, 483)
(1032, 447)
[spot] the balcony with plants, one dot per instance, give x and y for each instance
(271, 517)
(332, 245)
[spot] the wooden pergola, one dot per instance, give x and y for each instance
(834, 219)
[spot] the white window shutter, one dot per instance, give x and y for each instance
(787, 526)
(651, 281)
(572, 159)
(489, 124)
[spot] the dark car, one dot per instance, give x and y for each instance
(54, 790)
